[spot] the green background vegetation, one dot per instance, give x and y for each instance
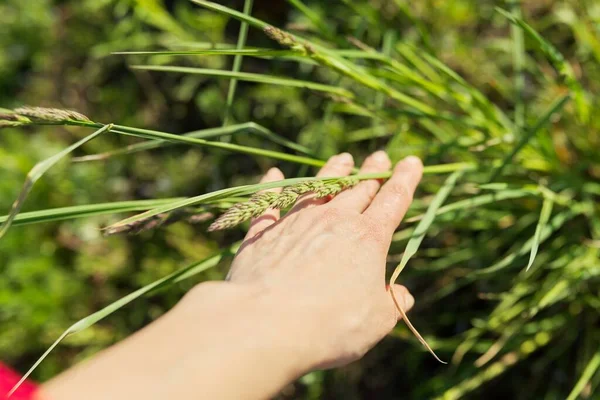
(509, 333)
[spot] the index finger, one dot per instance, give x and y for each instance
(391, 203)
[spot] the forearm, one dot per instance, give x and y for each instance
(219, 342)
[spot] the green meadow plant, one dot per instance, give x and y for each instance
(504, 239)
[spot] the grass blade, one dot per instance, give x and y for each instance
(557, 60)
(237, 62)
(250, 127)
(554, 224)
(168, 280)
(415, 242)
(544, 218)
(88, 210)
(232, 13)
(426, 221)
(251, 52)
(38, 171)
(518, 61)
(587, 374)
(477, 201)
(157, 135)
(250, 77)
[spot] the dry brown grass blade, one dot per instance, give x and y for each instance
(412, 328)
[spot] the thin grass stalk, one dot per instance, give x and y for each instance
(88, 210)
(250, 127)
(237, 63)
(250, 77)
(588, 373)
(251, 189)
(157, 135)
(518, 48)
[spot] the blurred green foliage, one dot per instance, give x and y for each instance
(513, 335)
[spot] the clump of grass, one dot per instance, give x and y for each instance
(516, 244)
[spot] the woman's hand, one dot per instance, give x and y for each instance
(305, 291)
(325, 260)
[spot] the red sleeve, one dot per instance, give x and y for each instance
(8, 379)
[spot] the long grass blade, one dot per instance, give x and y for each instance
(557, 60)
(588, 373)
(250, 77)
(88, 210)
(209, 133)
(473, 202)
(518, 61)
(38, 171)
(157, 135)
(237, 62)
(544, 218)
(209, 49)
(251, 52)
(415, 242)
(168, 280)
(426, 221)
(231, 12)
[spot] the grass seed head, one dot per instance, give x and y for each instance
(261, 202)
(281, 37)
(286, 198)
(50, 114)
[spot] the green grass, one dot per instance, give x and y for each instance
(503, 256)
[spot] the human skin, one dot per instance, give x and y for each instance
(305, 292)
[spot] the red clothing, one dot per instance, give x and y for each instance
(8, 379)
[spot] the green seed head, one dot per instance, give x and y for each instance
(261, 202)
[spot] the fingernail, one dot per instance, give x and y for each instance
(345, 158)
(273, 174)
(414, 160)
(380, 156)
(273, 171)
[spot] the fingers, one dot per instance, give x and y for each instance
(405, 299)
(359, 197)
(339, 165)
(259, 224)
(390, 204)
